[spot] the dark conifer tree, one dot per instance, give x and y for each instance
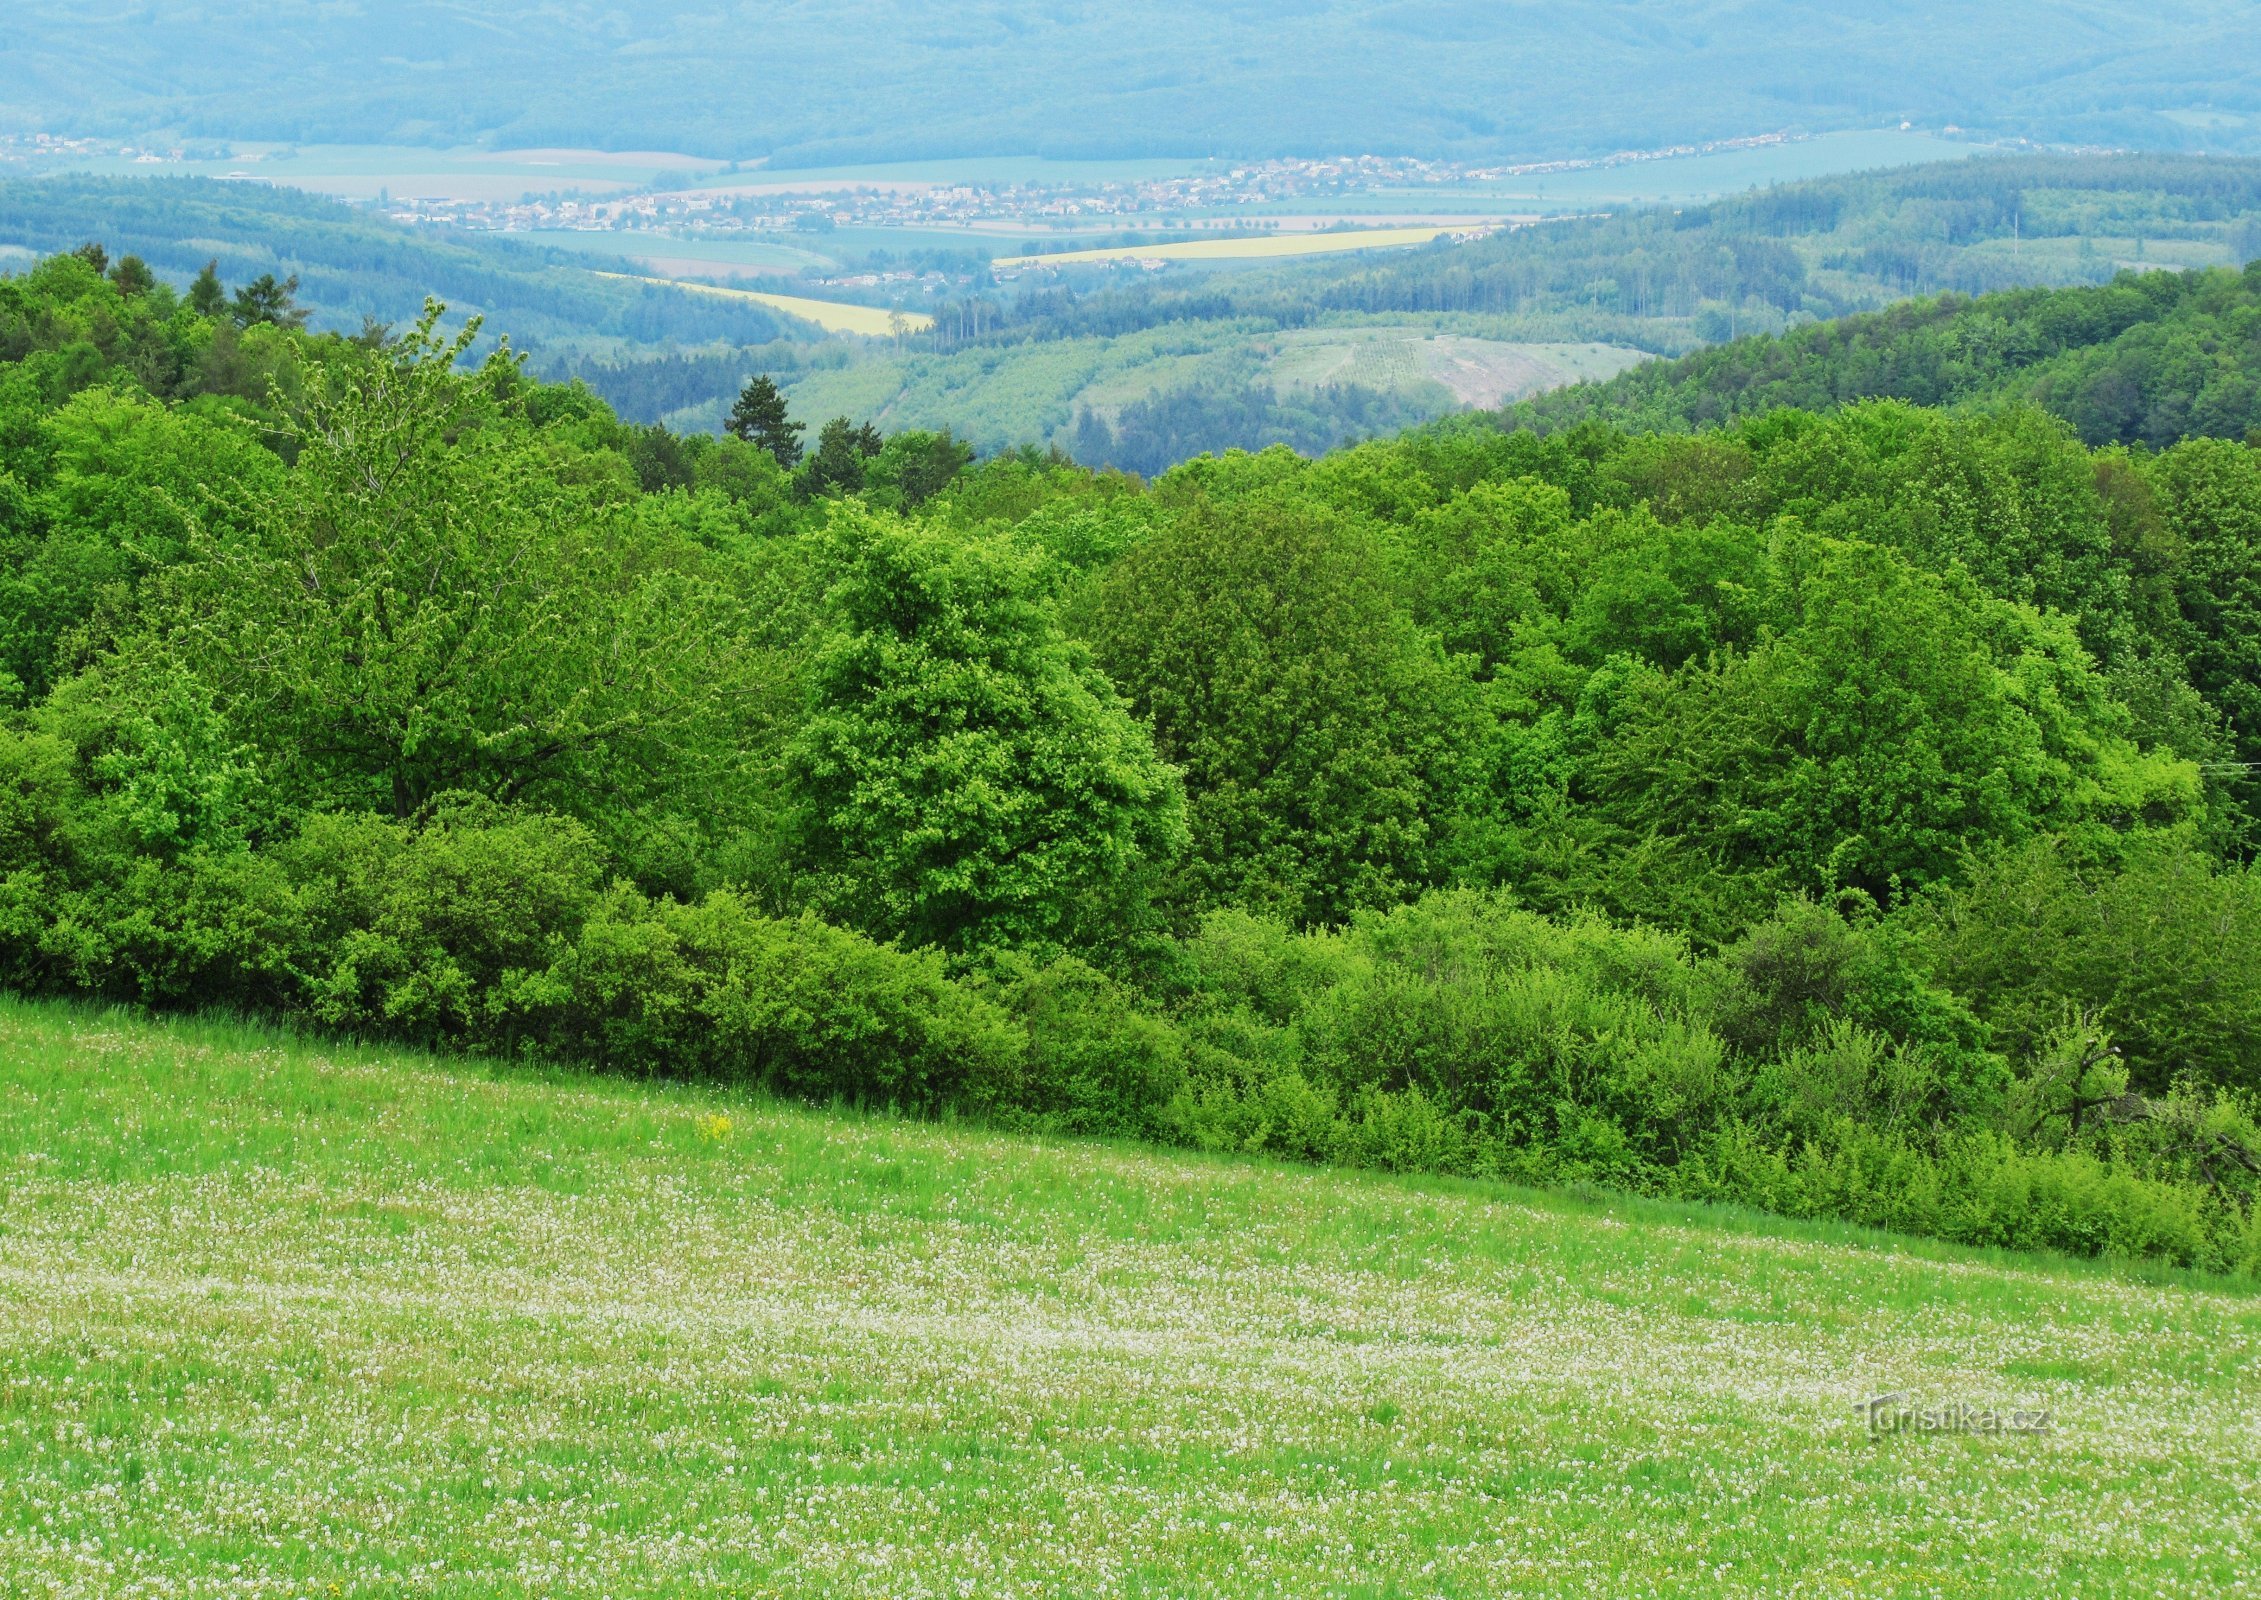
(264, 300)
(206, 296)
(837, 467)
(133, 277)
(760, 418)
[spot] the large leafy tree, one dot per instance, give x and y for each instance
(122, 487)
(967, 777)
(427, 606)
(1894, 722)
(2209, 492)
(1322, 734)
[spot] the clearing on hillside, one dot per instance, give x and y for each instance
(281, 1320)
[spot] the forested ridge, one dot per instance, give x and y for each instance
(1669, 278)
(2150, 358)
(1846, 811)
(353, 265)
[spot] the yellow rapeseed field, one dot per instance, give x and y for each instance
(832, 316)
(1278, 244)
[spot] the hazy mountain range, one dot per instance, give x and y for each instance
(868, 79)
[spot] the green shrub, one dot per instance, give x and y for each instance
(2162, 943)
(433, 932)
(796, 1006)
(1097, 1061)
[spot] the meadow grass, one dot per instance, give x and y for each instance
(282, 1318)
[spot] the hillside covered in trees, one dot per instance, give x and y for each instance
(1847, 812)
(2148, 359)
(1125, 368)
(354, 266)
(1667, 278)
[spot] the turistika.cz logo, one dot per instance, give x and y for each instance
(1897, 1413)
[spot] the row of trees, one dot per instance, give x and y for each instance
(849, 457)
(1842, 814)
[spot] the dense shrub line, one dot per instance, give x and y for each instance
(1811, 1069)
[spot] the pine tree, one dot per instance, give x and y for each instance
(837, 467)
(760, 418)
(133, 277)
(267, 301)
(206, 296)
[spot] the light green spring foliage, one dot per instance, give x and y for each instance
(969, 778)
(1795, 814)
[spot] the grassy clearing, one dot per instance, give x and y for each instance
(1260, 247)
(284, 1320)
(832, 316)
(1473, 371)
(1000, 396)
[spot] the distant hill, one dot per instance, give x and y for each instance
(353, 265)
(1829, 246)
(865, 79)
(2146, 359)
(1146, 372)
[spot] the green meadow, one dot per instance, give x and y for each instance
(286, 1319)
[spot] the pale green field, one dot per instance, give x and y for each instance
(460, 172)
(475, 172)
(286, 1320)
(1472, 371)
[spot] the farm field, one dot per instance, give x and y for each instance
(1035, 170)
(1476, 372)
(281, 1319)
(476, 174)
(832, 316)
(1262, 247)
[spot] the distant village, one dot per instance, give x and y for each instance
(755, 199)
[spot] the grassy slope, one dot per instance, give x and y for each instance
(284, 1320)
(1001, 395)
